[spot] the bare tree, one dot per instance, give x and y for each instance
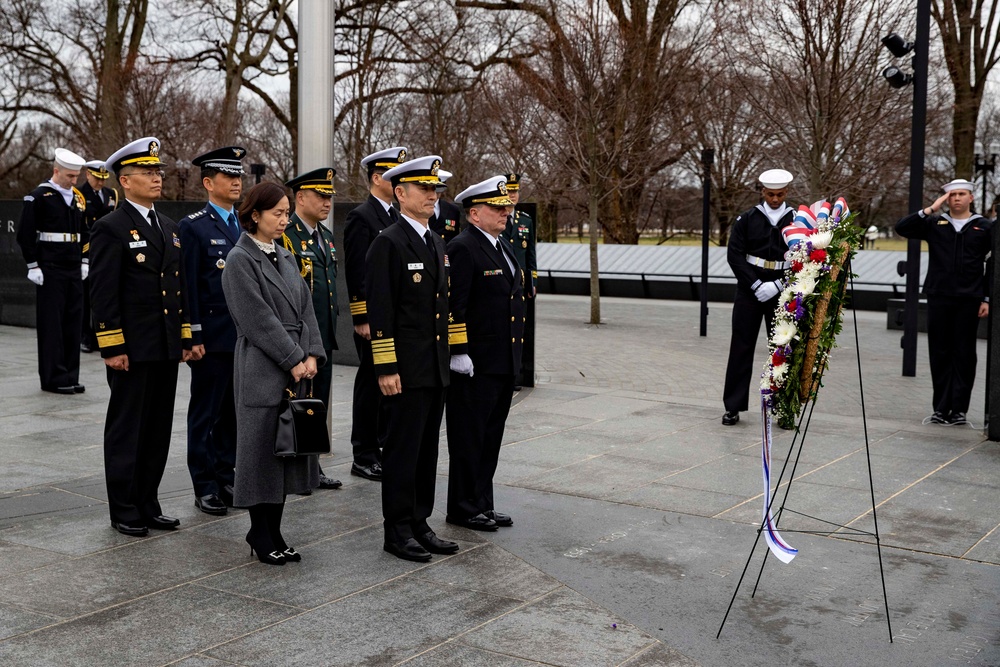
(970, 36)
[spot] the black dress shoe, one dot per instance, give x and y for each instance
(79, 389)
(730, 418)
(210, 504)
(478, 522)
(500, 518)
(71, 389)
(372, 472)
(329, 482)
(291, 554)
(408, 550)
(131, 531)
(435, 544)
(162, 522)
(86, 348)
(226, 495)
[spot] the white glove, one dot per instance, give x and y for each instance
(461, 363)
(767, 291)
(35, 276)
(84, 271)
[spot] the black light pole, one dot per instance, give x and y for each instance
(257, 170)
(983, 166)
(707, 158)
(182, 176)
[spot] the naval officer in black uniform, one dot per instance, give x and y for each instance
(485, 333)
(520, 231)
(143, 332)
(447, 218)
(54, 240)
(957, 288)
(364, 223)
(312, 244)
(756, 255)
(207, 236)
(101, 200)
(407, 281)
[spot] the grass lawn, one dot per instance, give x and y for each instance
(880, 244)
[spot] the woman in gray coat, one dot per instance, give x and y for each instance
(277, 340)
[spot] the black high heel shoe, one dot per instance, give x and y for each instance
(272, 558)
(292, 555)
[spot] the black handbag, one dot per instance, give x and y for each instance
(301, 426)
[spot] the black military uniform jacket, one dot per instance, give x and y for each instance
(96, 208)
(487, 303)
(319, 269)
(206, 240)
(45, 212)
(520, 231)
(448, 223)
(955, 259)
(408, 307)
(364, 223)
(137, 287)
(753, 235)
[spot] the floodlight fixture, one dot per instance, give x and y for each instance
(896, 77)
(897, 46)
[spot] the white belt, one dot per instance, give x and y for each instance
(766, 263)
(58, 238)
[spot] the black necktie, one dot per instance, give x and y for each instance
(430, 243)
(234, 226)
(500, 251)
(393, 215)
(154, 223)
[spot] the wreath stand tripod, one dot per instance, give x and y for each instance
(842, 530)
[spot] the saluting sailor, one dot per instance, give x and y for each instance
(143, 331)
(364, 223)
(957, 286)
(207, 236)
(100, 200)
(312, 244)
(407, 283)
(54, 243)
(756, 255)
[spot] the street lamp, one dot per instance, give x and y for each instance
(984, 166)
(707, 158)
(897, 78)
(182, 176)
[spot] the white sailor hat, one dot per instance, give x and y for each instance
(423, 170)
(387, 159)
(775, 179)
(143, 152)
(959, 184)
(492, 192)
(97, 169)
(227, 160)
(443, 176)
(68, 159)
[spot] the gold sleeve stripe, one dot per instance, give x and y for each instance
(185, 331)
(384, 342)
(109, 332)
(385, 357)
(359, 308)
(86, 247)
(534, 274)
(458, 338)
(110, 339)
(457, 327)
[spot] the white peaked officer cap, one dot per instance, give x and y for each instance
(492, 192)
(68, 159)
(143, 152)
(775, 179)
(387, 159)
(423, 170)
(959, 184)
(443, 176)
(97, 169)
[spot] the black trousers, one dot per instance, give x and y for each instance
(211, 423)
(477, 413)
(87, 334)
(367, 425)
(59, 319)
(409, 460)
(952, 323)
(137, 437)
(740, 371)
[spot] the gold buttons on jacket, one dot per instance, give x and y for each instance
(164, 292)
(438, 337)
(512, 340)
(165, 311)
(511, 319)
(437, 316)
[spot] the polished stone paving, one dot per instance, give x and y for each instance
(634, 508)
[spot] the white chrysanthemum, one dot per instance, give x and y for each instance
(783, 333)
(810, 270)
(786, 295)
(805, 285)
(778, 373)
(821, 239)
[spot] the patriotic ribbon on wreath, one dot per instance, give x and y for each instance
(775, 542)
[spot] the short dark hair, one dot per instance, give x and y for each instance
(375, 170)
(261, 197)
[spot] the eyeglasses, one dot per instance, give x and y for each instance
(152, 174)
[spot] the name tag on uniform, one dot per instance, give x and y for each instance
(416, 266)
(137, 244)
(306, 253)
(217, 241)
